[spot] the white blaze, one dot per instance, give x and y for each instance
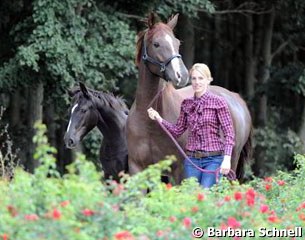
(75, 106)
(175, 61)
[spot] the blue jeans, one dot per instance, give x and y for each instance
(206, 180)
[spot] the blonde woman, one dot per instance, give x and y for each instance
(203, 115)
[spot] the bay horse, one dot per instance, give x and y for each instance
(92, 108)
(161, 69)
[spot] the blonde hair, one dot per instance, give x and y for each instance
(203, 69)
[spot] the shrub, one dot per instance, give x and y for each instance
(78, 205)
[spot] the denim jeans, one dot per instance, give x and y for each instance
(206, 180)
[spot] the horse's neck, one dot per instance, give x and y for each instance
(148, 87)
(114, 145)
(111, 124)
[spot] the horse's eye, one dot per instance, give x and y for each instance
(156, 45)
(83, 110)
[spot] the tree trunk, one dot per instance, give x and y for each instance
(35, 99)
(302, 128)
(249, 59)
(264, 71)
(263, 77)
(186, 33)
(14, 109)
(216, 52)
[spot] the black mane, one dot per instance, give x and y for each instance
(115, 102)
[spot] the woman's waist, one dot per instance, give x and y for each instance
(203, 153)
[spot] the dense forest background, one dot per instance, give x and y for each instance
(255, 48)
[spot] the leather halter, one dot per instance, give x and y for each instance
(147, 59)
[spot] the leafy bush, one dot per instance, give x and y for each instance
(80, 206)
(278, 146)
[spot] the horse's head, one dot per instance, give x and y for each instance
(159, 49)
(84, 116)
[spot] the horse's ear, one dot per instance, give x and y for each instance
(173, 21)
(70, 92)
(84, 90)
(152, 19)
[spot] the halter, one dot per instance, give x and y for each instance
(146, 58)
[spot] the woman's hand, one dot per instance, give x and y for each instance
(226, 165)
(154, 115)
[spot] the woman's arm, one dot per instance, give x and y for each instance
(176, 129)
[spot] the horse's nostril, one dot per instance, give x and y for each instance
(70, 142)
(178, 75)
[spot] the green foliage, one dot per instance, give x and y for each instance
(68, 41)
(79, 206)
(187, 7)
(278, 145)
(44, 153)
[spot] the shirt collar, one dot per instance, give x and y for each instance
(203, 97)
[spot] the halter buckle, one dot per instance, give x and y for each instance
(162, 68)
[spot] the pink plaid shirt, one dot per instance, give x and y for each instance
(203, 117)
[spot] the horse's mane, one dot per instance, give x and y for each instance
(159, 26)
(115, 102)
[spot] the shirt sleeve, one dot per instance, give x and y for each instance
(226, 123)
(181, 125)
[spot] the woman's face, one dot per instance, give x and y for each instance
(199, 83)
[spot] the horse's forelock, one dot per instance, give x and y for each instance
(157, 28)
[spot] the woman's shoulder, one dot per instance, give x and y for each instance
(217, 100)
(187, 103)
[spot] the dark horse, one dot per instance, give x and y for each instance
(93, 108)
(161, 67)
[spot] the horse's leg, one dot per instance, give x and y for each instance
(245, 157)
(133, 168)
(177, 172)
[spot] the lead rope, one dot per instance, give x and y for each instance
(231, 175)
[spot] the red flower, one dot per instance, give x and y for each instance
(268, 179)
(169, 186)
(87, 212)
(302, 206)
(273, 218)
(31, 217)
(268, 187)
(302, 216)
(118, 189)
(227, 198)
(123, 235)
(233, 223)
(238, 196)
(12, 210)
(172, 218)
(187, 222)
(200, 197)
(195, 209)
(160, 233)
(281, 182)
(65, 203)
(264, 208)
(250, 195)
(56, 214)
(4, 236)
(223, 226)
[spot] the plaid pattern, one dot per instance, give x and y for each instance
(203, 117)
